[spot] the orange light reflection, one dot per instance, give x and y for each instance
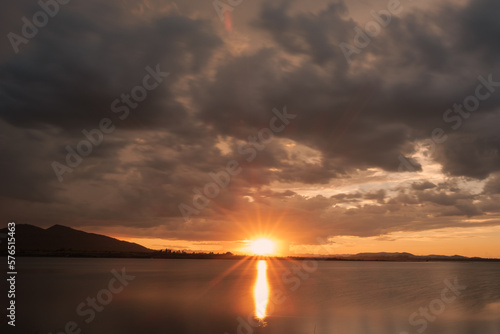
(261, 290)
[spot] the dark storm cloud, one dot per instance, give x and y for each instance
(76, 66)
(493, 185)
(327, 116)
(413, 90)
(23, 179)
(481, 27)
(473, 155)
(310, 34)
(366, 117)
(64, 80)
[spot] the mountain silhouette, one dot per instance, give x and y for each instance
(31, 238)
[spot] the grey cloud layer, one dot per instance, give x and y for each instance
(354, 116)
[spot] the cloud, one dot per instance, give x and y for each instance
(76, 66)
(493, 185)
(423, 185)
(378, 196)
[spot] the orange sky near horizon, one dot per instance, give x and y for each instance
(451, 241)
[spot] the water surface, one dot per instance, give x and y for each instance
(252, 296)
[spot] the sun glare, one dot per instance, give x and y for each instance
(262, 247)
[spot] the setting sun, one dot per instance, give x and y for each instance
(262, 246)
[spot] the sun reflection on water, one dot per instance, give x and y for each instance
(261, 290)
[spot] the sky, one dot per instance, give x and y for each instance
(332, 127)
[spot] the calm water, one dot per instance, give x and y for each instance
(251, 296)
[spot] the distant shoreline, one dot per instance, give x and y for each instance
(226, 256)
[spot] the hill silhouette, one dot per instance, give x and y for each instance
(58, 238)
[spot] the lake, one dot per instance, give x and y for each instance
(122, 296)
